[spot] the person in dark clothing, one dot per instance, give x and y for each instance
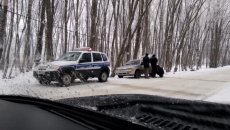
(153, 61)
(146, 65)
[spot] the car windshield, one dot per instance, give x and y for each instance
(71, 56)
(61, 49)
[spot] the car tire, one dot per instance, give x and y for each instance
(66, 80)
(103, 77)
(137, 74)
(120, 76)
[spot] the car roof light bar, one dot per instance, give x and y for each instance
(83, 49)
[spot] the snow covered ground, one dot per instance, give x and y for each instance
(206, 84)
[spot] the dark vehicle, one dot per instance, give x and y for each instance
(131, 112)
(159, 113)
(82, 63)
(135, 68)
(24, 113)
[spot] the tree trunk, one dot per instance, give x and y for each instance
(38, 51)
(76, 25)
(26, 62)
(3, 20)
(93, 36)
(65, 27)
(49, 30)
(138, 34)
(146, 31)
(9, 41)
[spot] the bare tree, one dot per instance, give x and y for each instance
(49, 29)
(192, 11)
(146, 30)
(3, 20)
(138, 34)
(173, 12)
(93, 36)
(26, 60)
(38, 51)
(65, 26)
(8, 46)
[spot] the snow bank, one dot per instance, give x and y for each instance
(26, 84)
(222, 96)
(206, 84)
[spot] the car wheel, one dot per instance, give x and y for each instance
(137, 74)
(120, 76)
(66, 80)
(103, 77)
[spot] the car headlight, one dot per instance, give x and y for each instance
(40, 67)
(53, 67)
(130, 69)
(35, 68)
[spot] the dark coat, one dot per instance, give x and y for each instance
(153, 61)
(146, 62)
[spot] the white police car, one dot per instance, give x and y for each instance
(81, 63)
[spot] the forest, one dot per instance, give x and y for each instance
(184, 34)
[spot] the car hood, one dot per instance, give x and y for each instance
(37, 112)
(55, 63)
(152, 111)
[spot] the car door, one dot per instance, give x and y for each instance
(141, 66)
(85, 64)
(97, 63)
(105, 60)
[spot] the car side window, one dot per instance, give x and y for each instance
(86, 57)
(104, 57)
(97, 57)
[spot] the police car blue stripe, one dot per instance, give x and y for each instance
(89, 65)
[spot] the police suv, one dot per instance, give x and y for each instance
(81, 63)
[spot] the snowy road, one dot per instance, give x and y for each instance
(207, 84)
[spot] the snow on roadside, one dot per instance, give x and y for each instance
(204, 69)
(222, 96)
(26, 84)
(220, 74)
